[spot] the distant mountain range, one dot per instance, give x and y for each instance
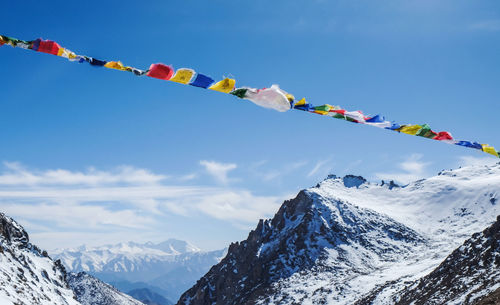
(348, 241)
(161, 271)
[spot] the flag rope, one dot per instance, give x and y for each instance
(273, 97)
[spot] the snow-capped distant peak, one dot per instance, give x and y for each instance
(123, 257)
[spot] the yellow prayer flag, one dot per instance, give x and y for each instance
(226, 85)
(410, 129)
(489, 149)
(301, 102)
(183, 76)
(66, 53)
(115, 65)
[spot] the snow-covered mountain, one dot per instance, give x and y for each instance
(348, 241)
(167, 268)
(29, 276)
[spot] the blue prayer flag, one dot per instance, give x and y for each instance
(470, 144)
(376, 119)
(202, 81)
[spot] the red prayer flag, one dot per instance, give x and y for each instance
(49, 46)
(160, 71)
(443, 135)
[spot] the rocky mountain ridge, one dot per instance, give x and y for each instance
(347, 239)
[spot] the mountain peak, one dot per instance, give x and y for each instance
(12, 232)
(348, 181)
(176, 246)
(308, 234)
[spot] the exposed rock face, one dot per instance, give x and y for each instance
(468, 273)
(27, 274)
(491, 299)
(303, 237)
(91, 291)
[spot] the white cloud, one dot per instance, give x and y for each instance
(16, 174)
(412, 169)
(218, 170)
(238, 205)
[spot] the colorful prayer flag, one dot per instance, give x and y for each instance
(410, 129)
(490, 150)
(226, 85)
(183, 76)
(273, 98)
(202, 81)
(160, 71)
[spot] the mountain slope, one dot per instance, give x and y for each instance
(347, 238)
(27, 274)
(469, 273)
(91, 291)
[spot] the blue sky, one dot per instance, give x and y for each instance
(91, 155)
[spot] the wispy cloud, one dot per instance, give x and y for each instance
(413, 168)
(218, 170)
(321, 168)
(492, 25)
(16, 174)
(123, 198)
(272, 174)
(188, 177)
